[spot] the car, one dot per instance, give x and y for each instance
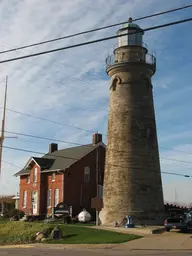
(182, 222)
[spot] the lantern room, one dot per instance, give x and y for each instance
(135, 36)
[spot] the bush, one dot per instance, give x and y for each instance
(14, 212)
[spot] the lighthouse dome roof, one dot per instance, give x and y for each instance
(131, 25)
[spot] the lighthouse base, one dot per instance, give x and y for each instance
(149, 218)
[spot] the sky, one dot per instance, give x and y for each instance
(71, 87)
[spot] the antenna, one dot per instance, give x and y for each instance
(3, 123)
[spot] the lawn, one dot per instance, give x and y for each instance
(24, 232)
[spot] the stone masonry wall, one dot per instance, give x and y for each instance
(132, 181)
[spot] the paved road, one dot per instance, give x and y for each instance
(96, 252)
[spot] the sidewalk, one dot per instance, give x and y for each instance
(135, 231)
(166, 241)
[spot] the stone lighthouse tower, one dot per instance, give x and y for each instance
(132, 181)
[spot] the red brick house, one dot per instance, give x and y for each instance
(67, 175)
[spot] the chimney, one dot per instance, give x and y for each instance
(53, 147)
(96, 138)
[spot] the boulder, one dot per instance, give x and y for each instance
(39, 236)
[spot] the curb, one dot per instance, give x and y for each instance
(158, 231)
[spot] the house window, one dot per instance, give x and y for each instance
(56, 196)
(28, 179)
(53, 176)
(35, 175)
(86, 174)
(49, 198)
(24, 199)
(100, 191)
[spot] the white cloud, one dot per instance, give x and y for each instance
(69, 86)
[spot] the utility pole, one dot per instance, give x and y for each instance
(2, 137)
(97, 181)
(3, 123)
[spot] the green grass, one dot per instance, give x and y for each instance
(24, 232)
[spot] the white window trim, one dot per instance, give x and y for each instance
(35, 171)
(52, 176)
(28, 179)
(55, 204)
(49, 206)
(24, 199)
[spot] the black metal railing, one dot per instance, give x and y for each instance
(149, 59)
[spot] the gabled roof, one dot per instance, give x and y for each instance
(61, 159)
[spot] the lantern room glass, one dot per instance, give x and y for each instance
(133, 39)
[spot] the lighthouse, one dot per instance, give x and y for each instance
(132, 179)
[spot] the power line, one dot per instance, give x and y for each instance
(68, 142)
(48, 120)
(31, 151)
(93, 30)
(49, 139)
(11, 164)
(165, 12)
(39, 153)
(71, 126)
(172, 159)
(78, 144)
(181, 151)
(93, 41)
(139, 169)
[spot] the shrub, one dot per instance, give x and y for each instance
(14, 212)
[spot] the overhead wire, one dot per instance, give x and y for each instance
(93, 30)
(76, 159)
(39, 153)
(94, 41)
(48, 120)
(76, 144)
(85, 145)
(71, 126)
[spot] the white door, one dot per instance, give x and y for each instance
(34, 202)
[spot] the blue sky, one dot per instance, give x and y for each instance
(72, 87)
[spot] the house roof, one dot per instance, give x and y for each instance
(60, 159)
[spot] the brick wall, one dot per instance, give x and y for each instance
(73, 191)
(53, 185)
(29, 187)
(77, 193)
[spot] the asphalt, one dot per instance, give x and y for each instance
(74, 252)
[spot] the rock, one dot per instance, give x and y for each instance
(56, 233)
(39, 236)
